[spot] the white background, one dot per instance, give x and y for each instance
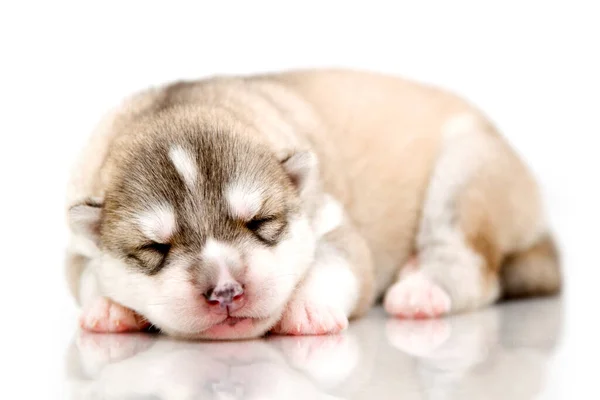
(532, 66)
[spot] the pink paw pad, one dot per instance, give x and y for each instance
(106, 316)
(417, 297)
(304, 318)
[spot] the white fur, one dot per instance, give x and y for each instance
(325, 299)
(460, 125)
(158, 222)
(80, 244)
(329, 216)
(226, 258)
(331, 282)
(185, 165)
(244, 202)
(169, 299)
(443, 254)
(276, 272)
(88, 286)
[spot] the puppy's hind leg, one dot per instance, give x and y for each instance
(480, 204)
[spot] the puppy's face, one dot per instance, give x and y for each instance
(203, 233)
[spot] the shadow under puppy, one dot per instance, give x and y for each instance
(232, 206)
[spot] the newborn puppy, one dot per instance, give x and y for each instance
(233, 206)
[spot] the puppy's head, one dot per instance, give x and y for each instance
(202, 230)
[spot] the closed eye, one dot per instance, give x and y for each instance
(162, 248)
(257, 223)
(267, 229)
(151, 256)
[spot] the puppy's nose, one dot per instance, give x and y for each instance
(225, 295)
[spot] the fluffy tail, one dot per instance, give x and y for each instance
(532, 272)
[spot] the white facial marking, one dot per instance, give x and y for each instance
(225, 257)
(184, 164)
(244, 202)
(158, 222)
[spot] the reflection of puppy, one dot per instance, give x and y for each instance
(497, 353)
(227, 207)
(328, 360)
(135, 366)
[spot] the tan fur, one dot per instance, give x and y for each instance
(532, 272)
(376, 138)
(501, 212)
(383, 124)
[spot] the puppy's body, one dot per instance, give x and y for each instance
(380, 169)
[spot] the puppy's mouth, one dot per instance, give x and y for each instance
(232, 321)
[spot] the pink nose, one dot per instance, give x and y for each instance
(226, 295)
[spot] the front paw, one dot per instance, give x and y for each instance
(303, 317)
(105, 316)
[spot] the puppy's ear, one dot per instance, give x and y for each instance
(302, 169)
(84, 219)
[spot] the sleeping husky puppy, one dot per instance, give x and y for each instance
(229, 207)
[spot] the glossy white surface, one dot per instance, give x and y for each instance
(505, 352)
